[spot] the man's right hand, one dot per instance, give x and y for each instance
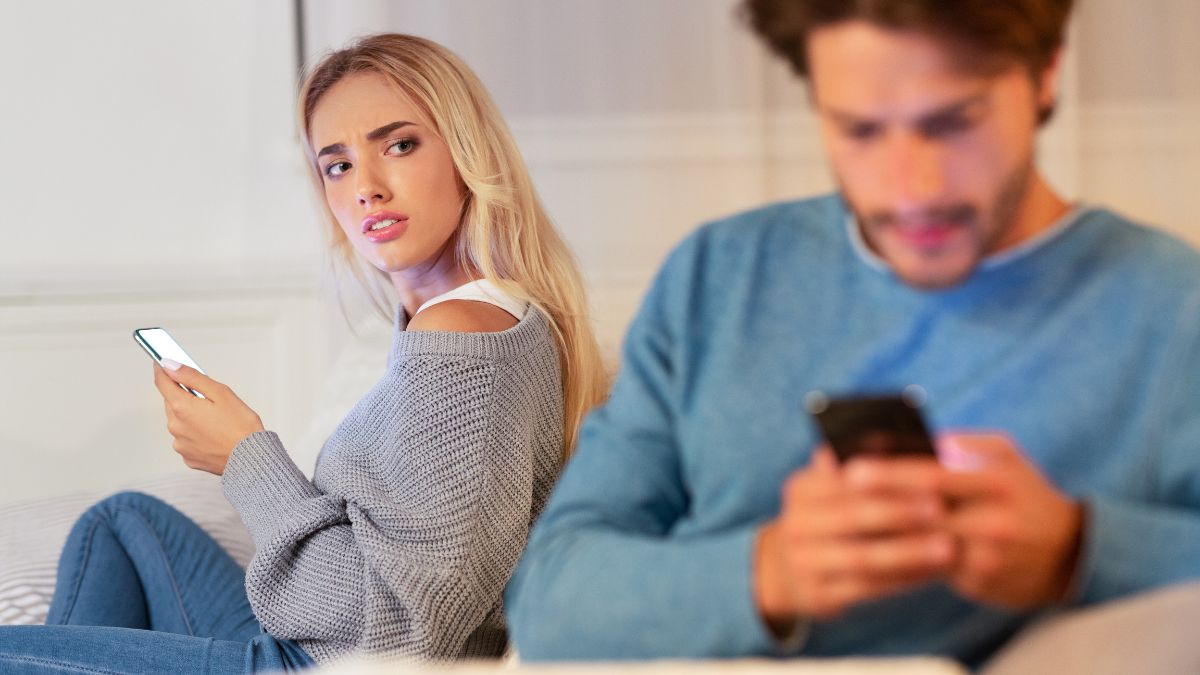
(848, 534)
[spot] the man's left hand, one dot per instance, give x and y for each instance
(206, 430)
(1018, 536)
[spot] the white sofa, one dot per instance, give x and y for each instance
(1151, 633)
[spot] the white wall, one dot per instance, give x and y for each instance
(144, 121)
(151, 177)
(1139, 109)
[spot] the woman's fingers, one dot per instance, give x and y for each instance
(166, 386)
(192, 379)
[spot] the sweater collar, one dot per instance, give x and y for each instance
(530, 333)
(994, 261)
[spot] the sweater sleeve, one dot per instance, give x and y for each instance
(603, 576)
(409, 546)
(1136, 542)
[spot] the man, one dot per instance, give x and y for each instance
(1058, 345)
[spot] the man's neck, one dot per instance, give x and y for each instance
(1039, 209)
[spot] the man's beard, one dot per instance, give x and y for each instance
(1002, 216)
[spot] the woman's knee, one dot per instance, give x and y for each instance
(127, 501)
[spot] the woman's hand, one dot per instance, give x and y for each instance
(205, 430)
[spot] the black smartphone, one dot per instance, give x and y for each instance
(887, 425)
(159, 344)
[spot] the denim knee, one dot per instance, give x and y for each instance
(137, 501)
(106, 510)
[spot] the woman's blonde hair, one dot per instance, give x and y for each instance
(505, 235)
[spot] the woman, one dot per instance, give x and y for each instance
(422, 499)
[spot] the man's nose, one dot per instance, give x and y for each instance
(914, 168)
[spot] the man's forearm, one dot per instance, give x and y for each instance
(585, 593)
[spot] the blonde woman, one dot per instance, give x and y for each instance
(422, 499)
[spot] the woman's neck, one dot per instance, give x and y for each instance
(415, 287)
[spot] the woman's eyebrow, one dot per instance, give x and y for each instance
(385, 130)
(373, 135)
(331, 149)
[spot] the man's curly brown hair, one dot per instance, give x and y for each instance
(986, 33)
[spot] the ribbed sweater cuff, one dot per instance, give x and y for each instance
(741, 607)
(1131, 547)
(263, 483)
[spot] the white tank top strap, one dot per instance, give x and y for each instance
(482, 290)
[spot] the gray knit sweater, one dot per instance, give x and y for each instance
(420, 504)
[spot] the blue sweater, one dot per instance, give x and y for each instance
(1085, 347)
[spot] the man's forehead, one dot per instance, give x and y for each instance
(858, 68)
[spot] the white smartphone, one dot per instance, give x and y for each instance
(159, 344)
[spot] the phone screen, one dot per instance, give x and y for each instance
(159, 344)
(888, 425)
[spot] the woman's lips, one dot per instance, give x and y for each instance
(384, 226)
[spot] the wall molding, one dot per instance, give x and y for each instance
(190, 279)
(663, 138)
(753, 137)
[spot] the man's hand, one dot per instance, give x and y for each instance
(848, 534)
(1018, 536)
(205, 429)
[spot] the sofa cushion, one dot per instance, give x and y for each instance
(1151, 632)
(32, 534)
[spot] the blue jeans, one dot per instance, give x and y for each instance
(142, 589)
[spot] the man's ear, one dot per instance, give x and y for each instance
(1048, 83)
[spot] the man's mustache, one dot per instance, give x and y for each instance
(956, 214)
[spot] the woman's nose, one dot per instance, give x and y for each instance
(370, 187)
(366, 196)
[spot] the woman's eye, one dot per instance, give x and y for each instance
(402, 147)
(336, 169)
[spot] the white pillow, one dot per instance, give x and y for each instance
(32, 534)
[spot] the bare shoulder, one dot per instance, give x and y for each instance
(463, 316)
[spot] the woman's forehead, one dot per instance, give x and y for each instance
(358, 104)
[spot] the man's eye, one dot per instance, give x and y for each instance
(860, 132)
(945, 127)
(335, 169)
(402, 147)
